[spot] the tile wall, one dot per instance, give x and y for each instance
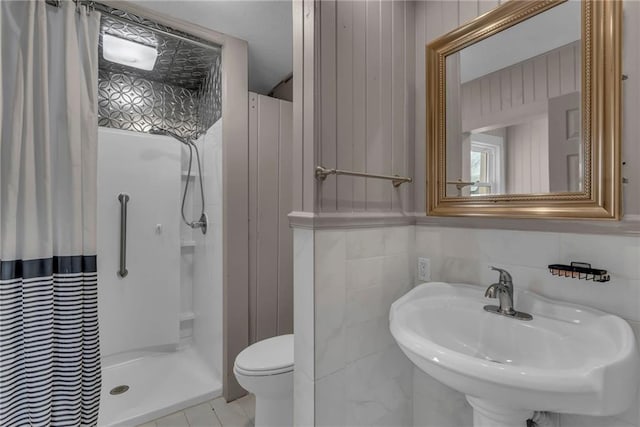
(464, 255)
(303, 324)
(349, 371)
(361, 377)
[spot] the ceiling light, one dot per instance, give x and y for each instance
(127, 52)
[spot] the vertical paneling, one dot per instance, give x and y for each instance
(510, 88)
(420, 157)
(517, 86)
(305, 139)
(528, 88)
(468, 10)
(505, 89)
(306, 113)
(387, 146)
(540, 90)
(398, 114)
(359, 81)
(485, 93)
(527, 165)
(485, 6)
(297, 150)
(450, 15)
(366, 102)
(406, 191)
(567, 70)
(375, 144)
(285, 233)
(553, 74)
(267, 217)
(495, 92)
(253, 213)
(270, 201)
(328, 147)
(345, 85)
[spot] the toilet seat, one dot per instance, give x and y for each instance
(272, 356)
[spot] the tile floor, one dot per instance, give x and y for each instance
(215, 413)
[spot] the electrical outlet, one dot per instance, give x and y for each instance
(424, 269)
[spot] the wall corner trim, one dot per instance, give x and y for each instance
(350, 220)
(628, 226)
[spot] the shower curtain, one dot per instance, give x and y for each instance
(49, 348)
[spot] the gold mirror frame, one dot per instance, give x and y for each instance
(601, 106)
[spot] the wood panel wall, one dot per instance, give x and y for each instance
(503, 97)
(365, 90)
(270, 201)
(528, 157)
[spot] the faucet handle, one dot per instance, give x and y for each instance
(505, 277)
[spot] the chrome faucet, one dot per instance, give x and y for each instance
(503, 290)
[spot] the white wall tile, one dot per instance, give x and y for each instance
(303, 295)
(365, 304)
(330, 301)
(377, 386)
(397, 269)
(428, 241)
(380, 402)
(397, 239)
(618, 254)
(330, 400)
(520, 247)
(368, 337)
(364, 272)
(365, 243)
(359, 273)
(464, 255)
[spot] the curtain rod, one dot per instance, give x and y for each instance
(91, 5)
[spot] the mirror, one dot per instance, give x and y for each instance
(523, 112)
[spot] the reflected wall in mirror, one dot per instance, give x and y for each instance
(523, 112)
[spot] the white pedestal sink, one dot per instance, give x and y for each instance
(568, 359)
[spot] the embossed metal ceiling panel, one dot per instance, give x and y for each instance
(182, 93)
(179, 62)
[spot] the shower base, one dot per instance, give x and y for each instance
(159, 384)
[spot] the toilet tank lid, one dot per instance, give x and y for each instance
(267, 355)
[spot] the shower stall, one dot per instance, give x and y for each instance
(159, 221)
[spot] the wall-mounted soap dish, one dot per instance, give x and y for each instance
(579, 270)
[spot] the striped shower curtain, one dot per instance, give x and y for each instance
(49, 347)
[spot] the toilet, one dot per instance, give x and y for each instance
(266, 370)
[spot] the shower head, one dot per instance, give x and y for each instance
(166, 132)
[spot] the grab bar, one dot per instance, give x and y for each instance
(123, 198)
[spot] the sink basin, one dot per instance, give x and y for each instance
(568, 359)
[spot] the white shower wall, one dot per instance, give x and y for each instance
(161, 326)
(207, 256)
(201, 254)
(139, 311)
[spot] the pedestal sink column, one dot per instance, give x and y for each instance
(490, 414)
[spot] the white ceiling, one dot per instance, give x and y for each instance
(551, 29)
(266, 25)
